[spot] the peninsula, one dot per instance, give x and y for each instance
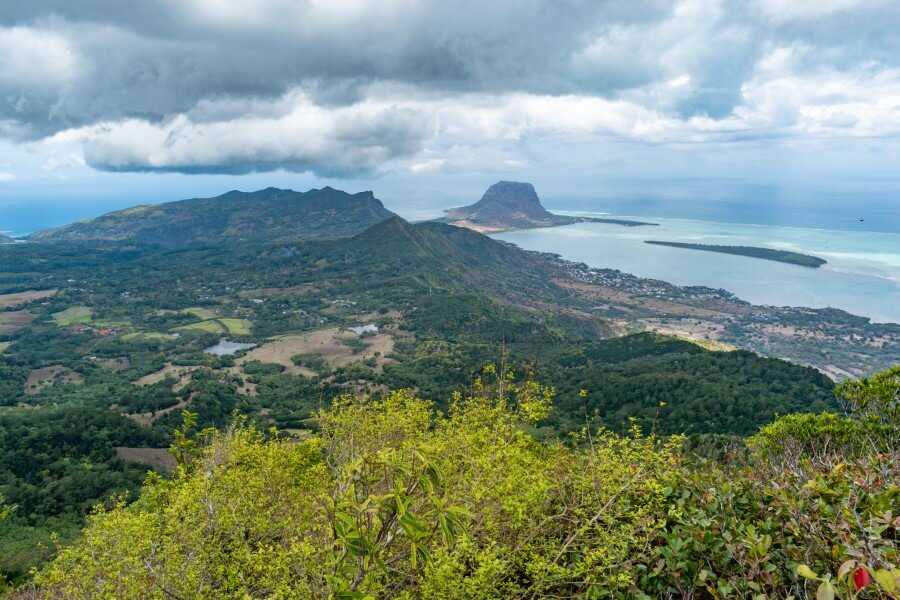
(784, 256)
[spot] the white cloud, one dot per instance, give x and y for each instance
(294, 133)
(35, 58)
(783, 11)
(5, 177)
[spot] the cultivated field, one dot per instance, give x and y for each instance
(225, 325)
(13, 300)
(201, 313)
(147, 335)
(12, 321)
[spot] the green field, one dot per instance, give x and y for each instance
(237, 326)
(147, 335)
(74, 315)
(211, 326)
(119, 324)
(201, 313)
(232, 326)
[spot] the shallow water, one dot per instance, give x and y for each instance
(862, 275)
(227, 348)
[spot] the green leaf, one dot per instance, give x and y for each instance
(886, 580)
(825, 591)
(804, 571)
(413, 527)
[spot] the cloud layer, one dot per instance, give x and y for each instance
(356, 87)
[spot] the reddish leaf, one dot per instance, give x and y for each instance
(861, 578)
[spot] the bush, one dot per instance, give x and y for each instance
(394, 500)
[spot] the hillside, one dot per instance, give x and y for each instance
(271, 214)
(515, 205)
(122, 333)
(5, 239)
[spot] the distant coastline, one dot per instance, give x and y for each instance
(783, 256)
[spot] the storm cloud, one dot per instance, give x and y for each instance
(353, 87)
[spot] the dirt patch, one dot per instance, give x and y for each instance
(47, 376)
(327, 343)
(181, 375)
(691, 329)
(12, 321)
(159, 458)
(12, 300)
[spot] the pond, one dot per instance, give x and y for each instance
(227, 348)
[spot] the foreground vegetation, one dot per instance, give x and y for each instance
(393, 499)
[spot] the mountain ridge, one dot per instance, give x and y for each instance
(270, 214)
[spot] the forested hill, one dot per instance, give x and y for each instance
(271, 214)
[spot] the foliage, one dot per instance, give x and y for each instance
(392, 499)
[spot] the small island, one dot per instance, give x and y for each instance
(784, 256)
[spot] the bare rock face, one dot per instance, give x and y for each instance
(507, 205)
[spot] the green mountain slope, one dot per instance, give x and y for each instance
(271, 214)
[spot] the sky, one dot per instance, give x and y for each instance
(107, 103)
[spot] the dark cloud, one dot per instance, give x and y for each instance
(223, 68)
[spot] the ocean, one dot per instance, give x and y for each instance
(862, 275)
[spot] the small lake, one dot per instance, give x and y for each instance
(227, 348)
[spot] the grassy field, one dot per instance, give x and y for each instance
(231, 326)
(326, 343)
(117, 324)
(74, 315)
(147, 335)
(201, 313)
(236, 326)
(211, 326)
